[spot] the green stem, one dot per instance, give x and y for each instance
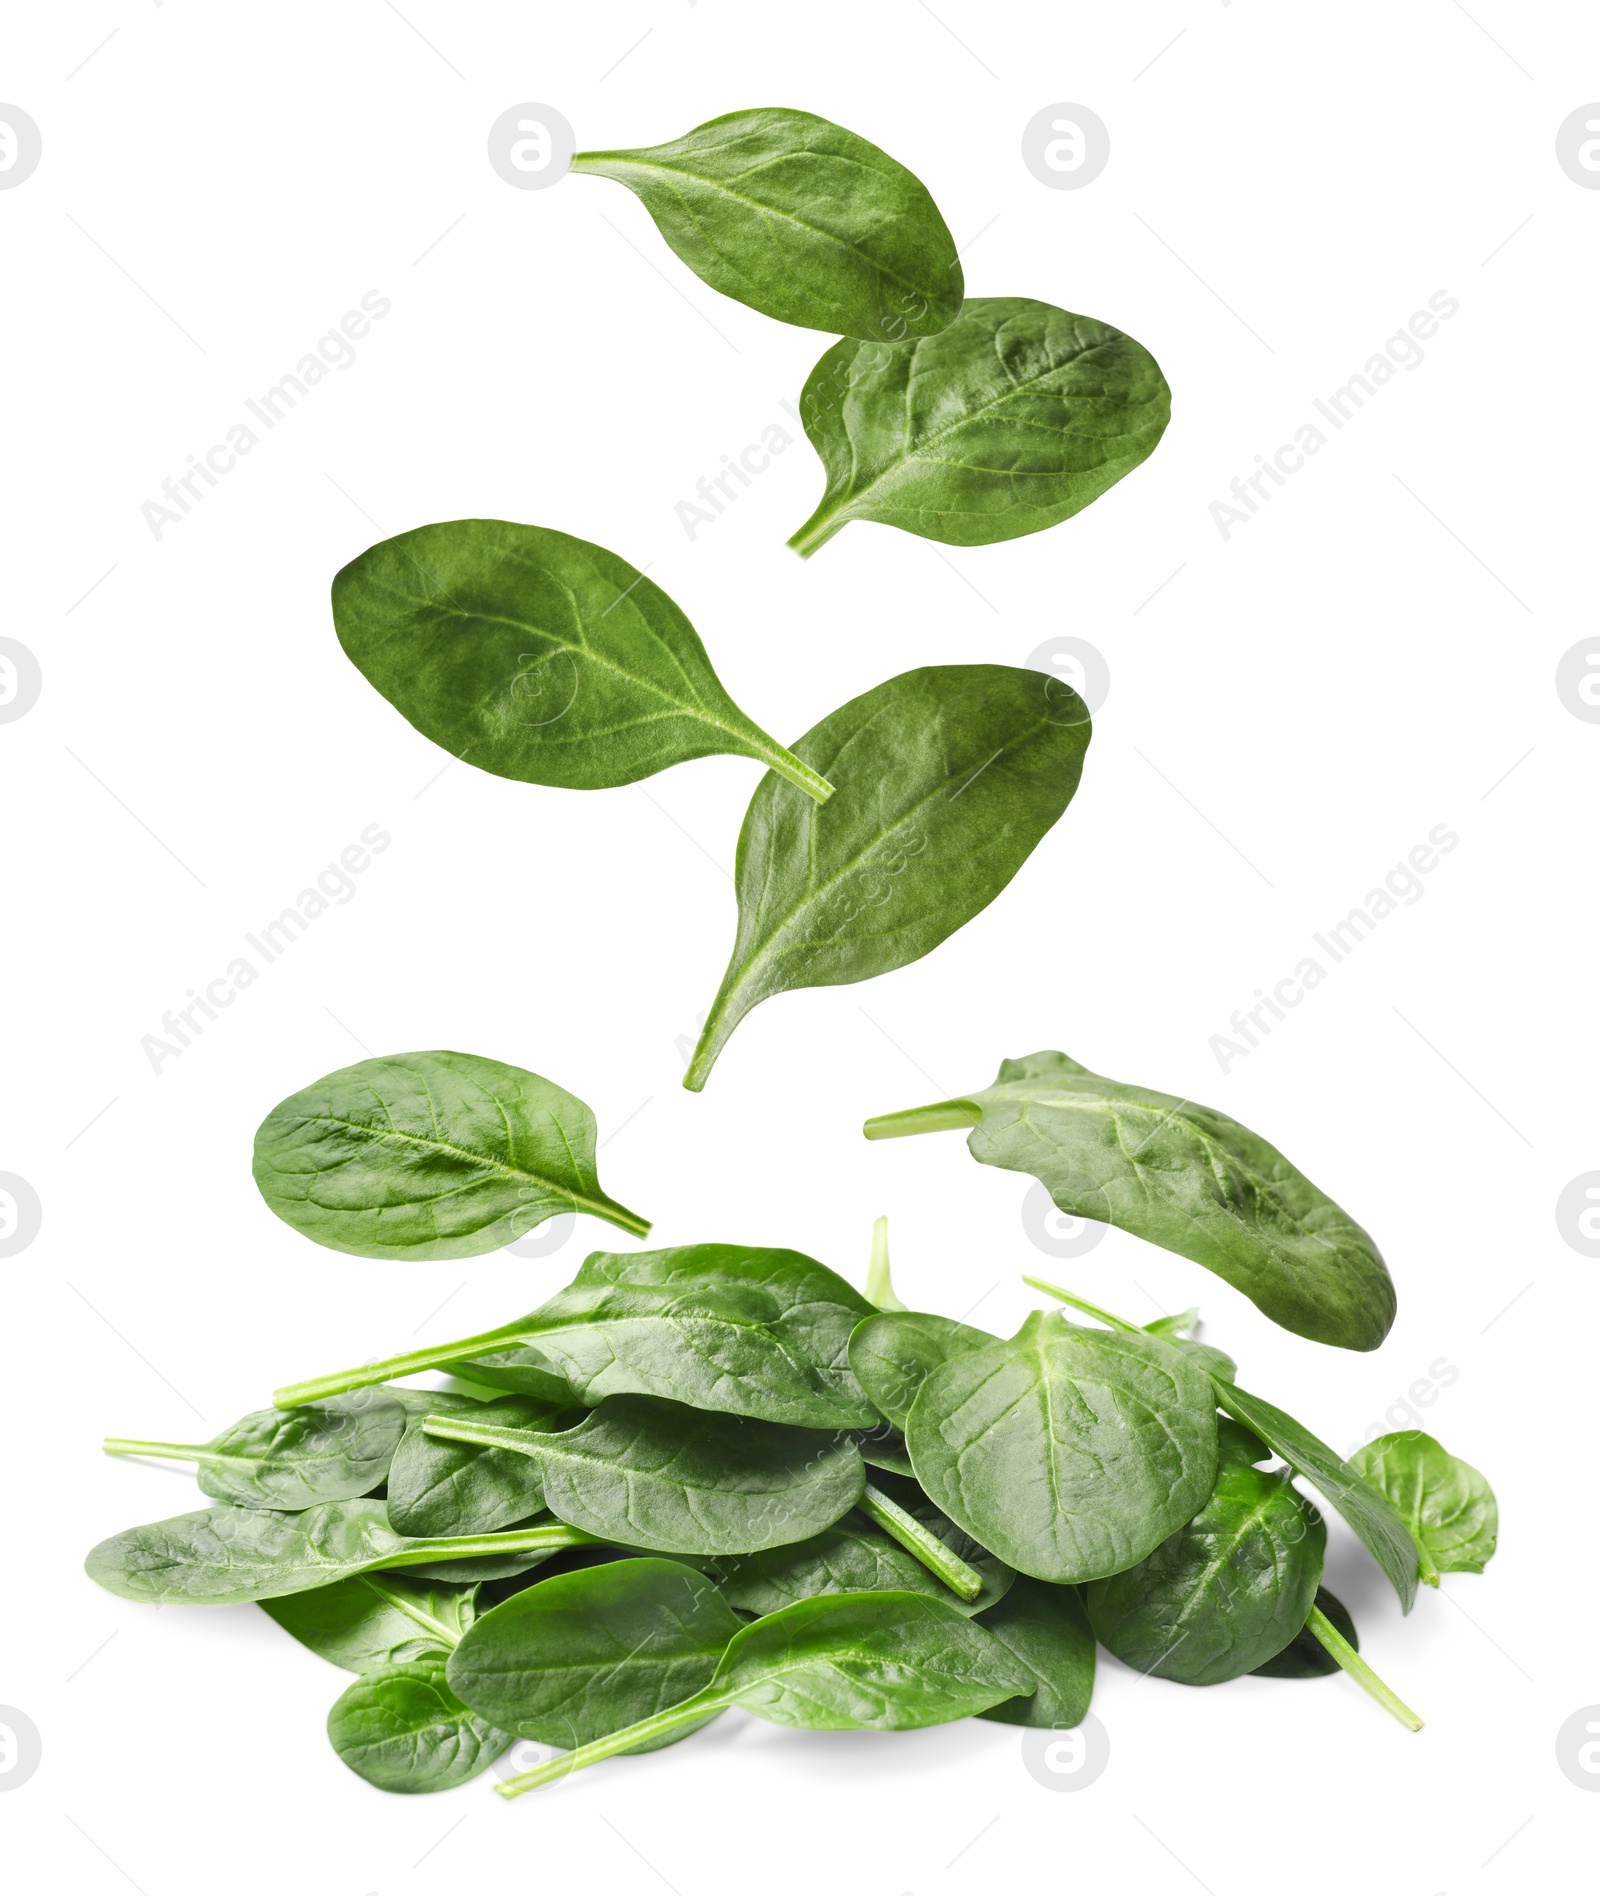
(460, 1428)
(801, 775)
(941, 1561)
(950, 1115)
(158, 1451)
(549, 1536)
(406, 1602)
(817, 531)
(1322, 1628)
(1083, 1304)
(714, 1036)
(691, 1711)
(390, 1368)
(880, 1286)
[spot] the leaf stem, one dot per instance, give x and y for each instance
(548, 1536)
(690, 1711)
(949, 1115)
(1082, 1303)
(801, 775)
(460, 1428)
(158, 1451)
(880, 1286)
(1340, 1649)
(941, 1561)
(389, 1368)
(817, 531)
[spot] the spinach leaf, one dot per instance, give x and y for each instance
(584, 1654)
(430, 1155)
(894, 1354)
(1182, 1176)
(722, 1326)
(403, 1729)
(541, 657)
(945, 779)
(439, 1487)
(1048, 1630)
(1448, 1506)
(838, 1662)
(657, 1475)
(374, 1620)
(225, 1556)
(884, 1447)
(1378, 1527)
(1012, 419)
(849, 1557)
(1069, 1453)
(328, 1451)
(1305, 1656)
(1229, 1590)
(799, 219)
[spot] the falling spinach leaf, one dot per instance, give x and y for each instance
(1012, 419)
(1305, 1656)
(403, 1729)
(1448, 1506)
(1068, 1453)
(720, 1326)
(439, 1487)
(584, 1654)
(894, 1354)
(839, 1662)
(944, 780)
(652, 1474)
(1179, 1175)
(328, 1451)
(540, 657)
(1048, 1630)
(226, 1556)
(800, 219)
(430, 1155)
(1229, 1590)
(374, 1620)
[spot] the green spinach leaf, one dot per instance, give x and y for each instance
(894, 1354)
(1012, 419)
(1182, 1176)
(1448, 1506)
(439, 1487)
(1048, 1630)
(645, 1473)
(1068, 1453)
(584, 1654)
(849, 1557)
(403, 1729)
(374, 1620)
(944, 780)
(541, 657)
(430, 1155)
(1229, 1590)
(800, 219)
(328, 1451)
(1305, 1656)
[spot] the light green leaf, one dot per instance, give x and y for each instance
(1448, 1506)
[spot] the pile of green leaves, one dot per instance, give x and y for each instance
(720, 1476)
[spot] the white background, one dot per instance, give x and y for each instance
(1290, 713)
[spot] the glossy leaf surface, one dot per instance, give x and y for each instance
(403, 1729)
(373, 1620)
(1305, 1656)
(439, 1487)
(1048, 1630)
(1448, 1506)
(895, 1353)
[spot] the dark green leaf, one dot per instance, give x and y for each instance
(376, 1619)
(1069, 1453)
(439, 1487)
(540, 657)
(1226, 1592)
(430, 1155)
(403, 1729)
(800, 219)
(1048, 1630)
(1448, 1506)
(1182, 1176)
(584, 1654)
(944, 780)
(894, 1354)
(1012, 419)
(645, 1473)
(335, 1450)
(1305, 1656)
